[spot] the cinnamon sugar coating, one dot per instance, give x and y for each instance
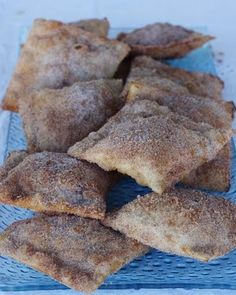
(55, 119)
(198, 83)
(151, 144)
(75, 251)
(163, 40)
(183, 222)
(174, 87)
(54, 182)
(57, 54)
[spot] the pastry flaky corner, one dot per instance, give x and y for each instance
(153, 145)
(214, 175)
(57, 54)
(55, 119)
(184, 222)
(75, 251)
(163, 40)
(100, 27)
(54, 183)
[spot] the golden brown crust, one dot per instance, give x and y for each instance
(184, 222)
(151, 144)
(78, 252)
(202, 84)
(55, 182)
(163, 40)
(55, 119)
(58, 54)
(100, 27)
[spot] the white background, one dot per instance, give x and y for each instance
(219, 16)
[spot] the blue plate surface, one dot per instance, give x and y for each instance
(155, 269)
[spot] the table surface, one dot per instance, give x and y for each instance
(217, 15)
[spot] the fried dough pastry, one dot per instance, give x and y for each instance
(55, 119)
(57, 55)
(151, 144)
(77, 252)
(198, 83)
(197, 108)
(54, 182)
(216, 174)
(163, 40)
(183, 222)
(100, 27)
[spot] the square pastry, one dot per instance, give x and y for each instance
(78, 252)
(151, 144)
(163, 40)
(54, 183)
(57, 54)
(180, 221)
(55, 119)
(192, 94)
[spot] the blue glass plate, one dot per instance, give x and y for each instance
(155, 269)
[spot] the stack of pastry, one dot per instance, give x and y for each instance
(85, 128)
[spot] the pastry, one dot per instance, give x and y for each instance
(217, 113)
(198, 83)
(183, 222)
(163, 40)
(75, 251)
(54, 183)
(151, 144)
(216, 174)
(55, 119)
(57, 55)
